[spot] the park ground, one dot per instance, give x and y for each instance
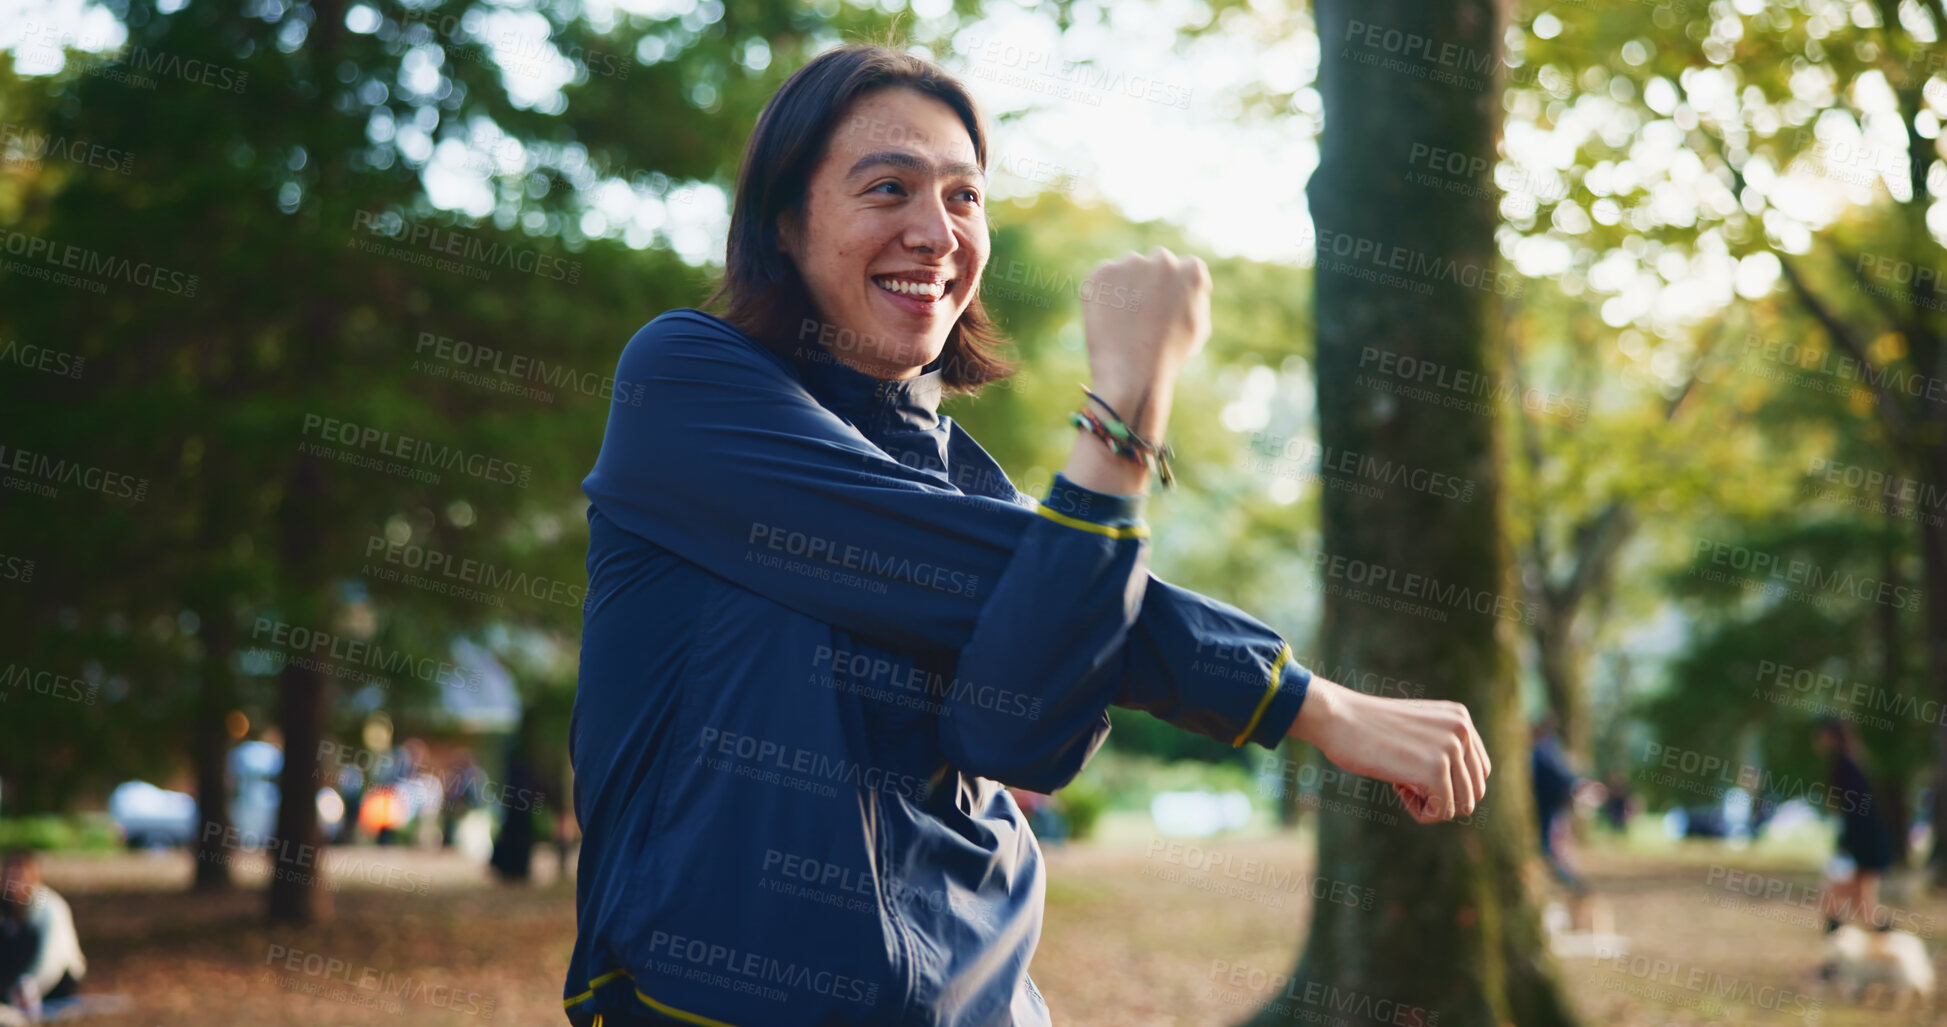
(1137, 933)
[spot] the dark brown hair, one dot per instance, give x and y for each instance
(761, 291)
(1843, 741)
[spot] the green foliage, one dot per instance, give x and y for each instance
(285, 312)
(1083, 802)
(1128, 779)
(68, 833)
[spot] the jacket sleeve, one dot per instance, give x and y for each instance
(1189, 660)
(1060, 615)
(1209, 667)
(730, 463)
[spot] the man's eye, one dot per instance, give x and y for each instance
(971, 195)
(885, 185)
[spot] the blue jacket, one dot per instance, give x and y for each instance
(822, 631)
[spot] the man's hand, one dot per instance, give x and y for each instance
(1146, 317)
(1427, 749)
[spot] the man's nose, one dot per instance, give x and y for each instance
(930, 228)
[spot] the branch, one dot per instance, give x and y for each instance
(1531, 450)
(1681, 400)
(1596, 541)
(1838, 329)
(1923, 344)
(1848, 340)
(1905, 320)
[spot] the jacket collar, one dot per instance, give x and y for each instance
(912, 403)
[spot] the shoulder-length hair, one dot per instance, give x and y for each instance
(761, 291)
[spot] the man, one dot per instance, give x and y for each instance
(824, 632)
(40, 956)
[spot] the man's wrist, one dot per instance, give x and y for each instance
(1323, 709)
(1091, 466)
(1144, 408)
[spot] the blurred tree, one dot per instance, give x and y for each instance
(1800, 141)
(1414, 273)
(1747, 686)
(1767, 654)
(1587, 456)
(331, 385)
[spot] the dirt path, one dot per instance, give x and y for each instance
(1141, 933)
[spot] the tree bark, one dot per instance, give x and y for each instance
(1560, 608)
(1560, 664)
(216, 698)
(1404, 272)
(1933, 547)
(297, 853)
(1894, 787)
(1291, 808)
(297, 895)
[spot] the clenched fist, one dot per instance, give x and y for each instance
(1427, 749)
(1146, 316)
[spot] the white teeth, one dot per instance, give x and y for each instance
(933, 290)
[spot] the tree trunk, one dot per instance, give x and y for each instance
(1933, 548)
(1291, 811)
(297, 854)
(1560, 665)
(1404, 272)
(1894, 787)
(217, 696)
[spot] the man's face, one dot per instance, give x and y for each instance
(893, 236)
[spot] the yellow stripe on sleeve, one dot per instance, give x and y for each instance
(1270, 691)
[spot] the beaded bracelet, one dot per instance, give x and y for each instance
(1124, 447)
(1161, 454)
(1123, 440)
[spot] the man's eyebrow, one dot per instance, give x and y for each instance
(902, 159)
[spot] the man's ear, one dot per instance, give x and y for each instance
(787, 233)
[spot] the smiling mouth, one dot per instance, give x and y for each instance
(915, 290)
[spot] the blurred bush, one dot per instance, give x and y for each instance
(1083, 803)
(80, 831)
(1129, 780)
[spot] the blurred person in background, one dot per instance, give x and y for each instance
(1617, 801)
(351, 785)
(40, 955)
(1044, 814)
(392, 791)
(513, 854)
(1554, 783)
(567, 834)
(1865, 849)
(463, 787)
